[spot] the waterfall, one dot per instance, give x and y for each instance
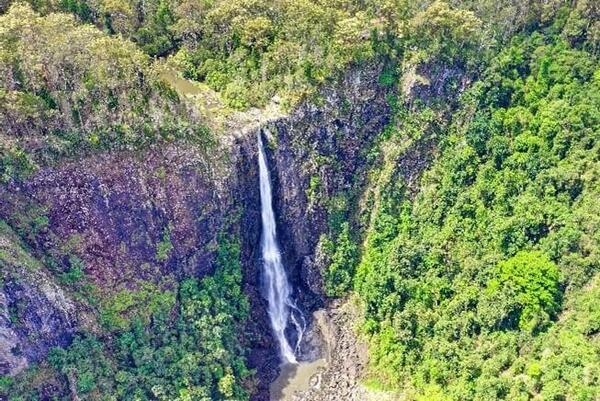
(281, 307)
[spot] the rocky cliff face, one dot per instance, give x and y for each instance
(112, 210)
(140, 216)
(35, 314)
(319, 157)
(123, 219)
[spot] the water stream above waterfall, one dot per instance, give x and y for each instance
(281, 306)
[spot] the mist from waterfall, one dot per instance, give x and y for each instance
(281, 307)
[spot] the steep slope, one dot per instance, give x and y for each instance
(453, 195)
(118, 227)
(467, 275)
(35, 312)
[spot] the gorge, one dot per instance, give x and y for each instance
(248, 200)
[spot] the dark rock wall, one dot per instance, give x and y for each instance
(113, 210)
(327, 140)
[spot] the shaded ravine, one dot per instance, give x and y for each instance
(117, 207)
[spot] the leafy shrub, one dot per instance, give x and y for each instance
(165, 246)
(339, 274)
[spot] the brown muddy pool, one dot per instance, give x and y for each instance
(297, 378)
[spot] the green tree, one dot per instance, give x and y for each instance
(528, 287)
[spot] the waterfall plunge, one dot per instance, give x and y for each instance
(278, 290)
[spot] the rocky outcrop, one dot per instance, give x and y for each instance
(346, 358)
(35, 314)
(433, 83)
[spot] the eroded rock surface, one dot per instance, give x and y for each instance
(345, 355)
(35, 314)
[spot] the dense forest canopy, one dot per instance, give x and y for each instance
(251, 49)
(463, 286)
(478, 288)
(479, 282)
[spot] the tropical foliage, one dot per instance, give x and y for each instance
(465, 287)
(182, 342)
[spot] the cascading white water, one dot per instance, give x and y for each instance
(281, 307)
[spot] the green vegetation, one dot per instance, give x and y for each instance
(179, 342)
(75, 272)
(312, 192)
(13, 251)
(528, 283)
(165, 246)
(249, 50)
(465, 287)
(67, 88)
(479, 279)
(119, 310)
(344, 257)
